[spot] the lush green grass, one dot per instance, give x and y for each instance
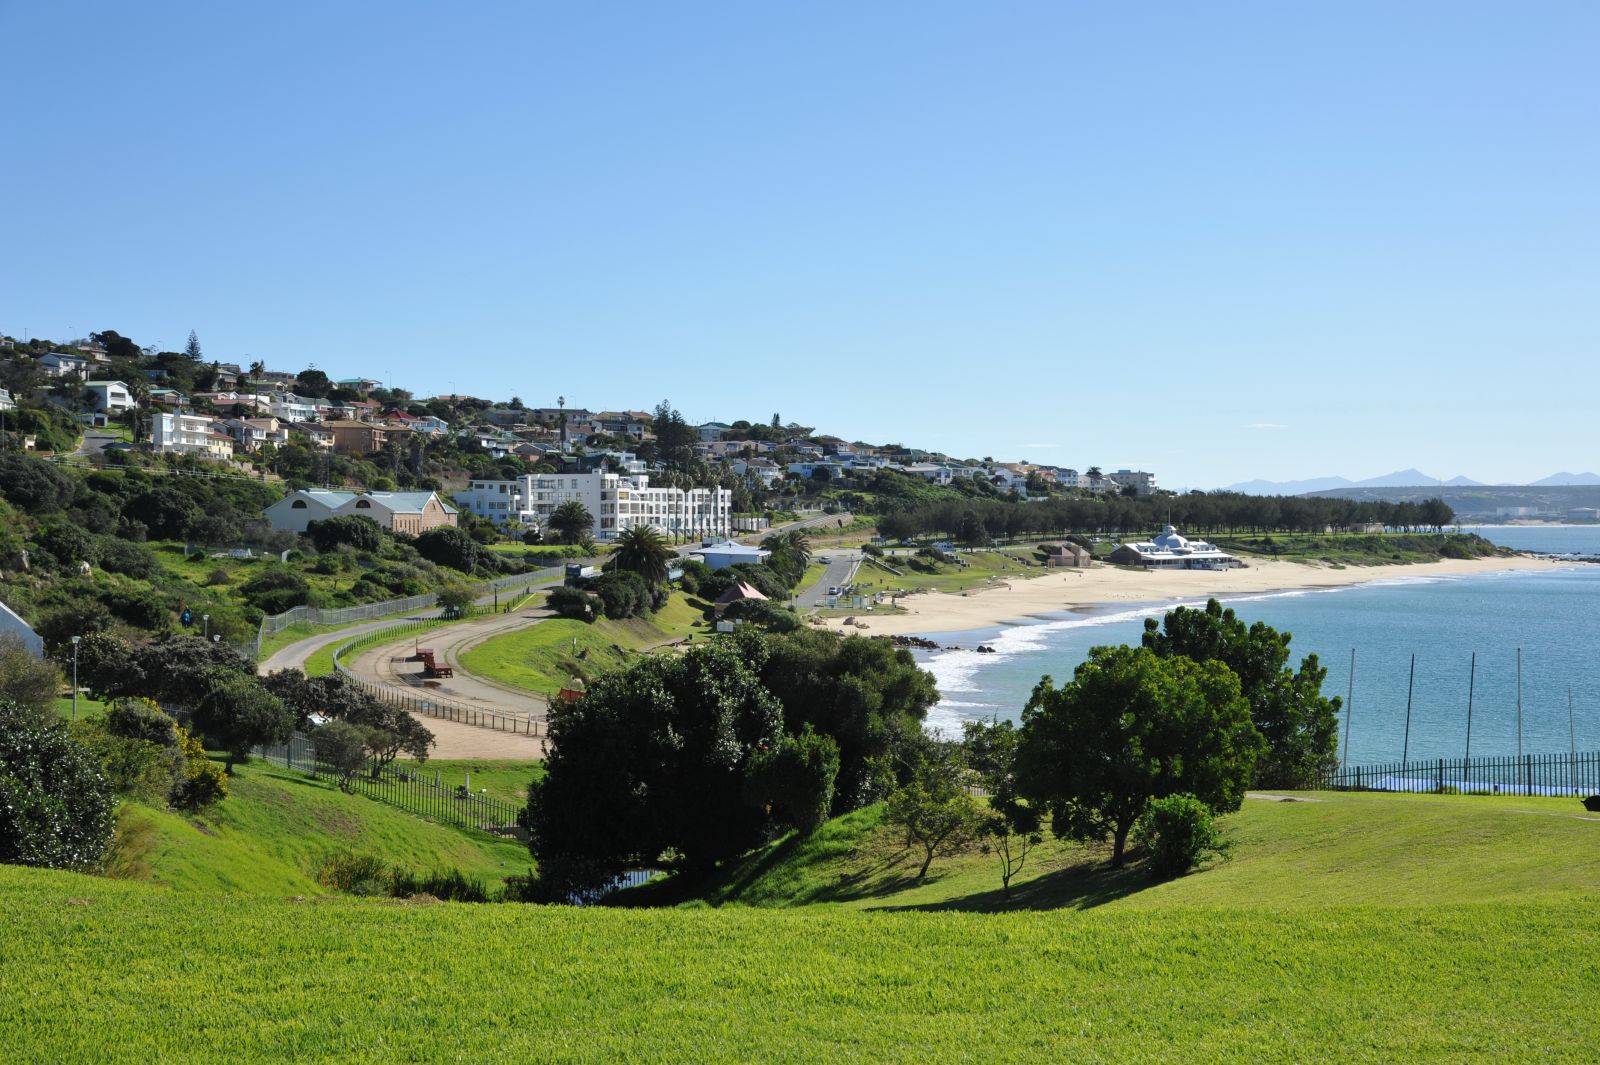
(543, 657)
(983, 568)
(502, 779)
(193, 977)
(1360, 549)
(1331, 849)
(87, 707)
(277, 827)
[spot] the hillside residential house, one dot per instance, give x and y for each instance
(617, 501)
(634, 423)
(363, 385)
(359, 438)
(1140, 481)
(725, 553)
(249, 434)
(6, 402)
(764, 471)
(319, 435)
(57, 364)
(713, 431)
(1171, 551)
(189, 434)
(404, 512)
(110, 397)
(292, 408)
(168, 397)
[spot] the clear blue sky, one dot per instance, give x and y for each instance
(1217, 241)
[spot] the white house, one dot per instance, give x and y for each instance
(110, 397)
(6, 402)
(765, 471)
(1171, 551)
(56, 364)
(406, 512)
(252, 433)
(713, 431)
(617, 501)
(291, 408)
(189, 434)
(721, 555)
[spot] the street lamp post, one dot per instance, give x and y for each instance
(206, 619)
(75, 640)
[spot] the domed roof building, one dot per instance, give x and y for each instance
(1171, 550)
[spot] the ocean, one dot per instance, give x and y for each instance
(1550, 615)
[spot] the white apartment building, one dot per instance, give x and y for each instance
(617, 501)
(189, 434)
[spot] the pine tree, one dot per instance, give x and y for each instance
(192, 349)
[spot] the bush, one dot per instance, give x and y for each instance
(357, 530)
(56, 807)
(359, 874)
(141, 719)
(26, 680)
(124, 557)
(774, 617)
(622, 594)
(276, 589)
(448, 885)
(1180, 833)
(573, 603)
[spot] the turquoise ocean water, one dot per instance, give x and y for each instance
(1552, 616)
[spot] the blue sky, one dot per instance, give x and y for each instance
(1215, 241)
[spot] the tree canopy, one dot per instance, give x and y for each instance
(1299, 723)
(1131, 727)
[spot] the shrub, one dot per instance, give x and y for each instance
(276, 589)
(448, 885)
(141, 719)
(774, 617)
(56, 807)
(122, 556)
(573, 603)
(622, 594)
(359, 874)
(24, 679)
(1180, 833)
(357, 530)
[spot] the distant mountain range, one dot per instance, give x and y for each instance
(1399, 479)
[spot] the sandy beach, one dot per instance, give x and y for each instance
(933, 612)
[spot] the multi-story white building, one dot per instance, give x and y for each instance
(189, 434)
(617, 501)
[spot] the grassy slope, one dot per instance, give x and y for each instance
(502, 779)
(1412, 850)
(540, 658)
(983, 567)
(169, 977)
(277, 827)
(1358, 549)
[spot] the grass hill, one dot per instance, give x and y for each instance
(1357, 928)
(1323, 849)
(277, 827)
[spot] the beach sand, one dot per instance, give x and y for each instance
(1062, 590)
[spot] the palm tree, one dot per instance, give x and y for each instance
(642, 550)
(571, 522)
(257, 368)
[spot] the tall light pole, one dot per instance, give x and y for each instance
(206, 619)
(75, 640)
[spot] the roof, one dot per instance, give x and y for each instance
(737, 592)
(731, 548)
(404, 502)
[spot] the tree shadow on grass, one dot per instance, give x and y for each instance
(1080, 886)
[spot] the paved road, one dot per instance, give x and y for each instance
(94, 441)
(840, 572)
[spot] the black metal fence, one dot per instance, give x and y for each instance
(1576, 773)
(419, 791)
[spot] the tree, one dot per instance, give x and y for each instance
(390, 730)
(257, 368)
(1129, 728)
(26, 680)
(1011, 827)
(933, 805)
(455, 600)
(641, 550)
(238, 713)
(56, 806)
(312, 382)
(346, 747)
(571, 522)
(654, 761)
(449, 546)
(357, 530)
(192, 348)
(869, 696)
(1300, 724)
(794, 780)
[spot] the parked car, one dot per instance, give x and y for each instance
(826, 560)
(833, 589)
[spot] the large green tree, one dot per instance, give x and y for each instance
(56, 806)
(660, 760)
(1300, 724)
(1131, 727)
(870, 696)
(641, 550)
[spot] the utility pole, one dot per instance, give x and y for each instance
(75, 640)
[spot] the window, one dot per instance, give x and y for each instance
(363, 504)
(298, 504)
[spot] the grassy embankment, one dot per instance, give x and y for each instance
(1361, 549)
(1360, 929)
(277, 827)
(542, 657)
(922, 574)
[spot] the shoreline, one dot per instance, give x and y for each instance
(1008, 602)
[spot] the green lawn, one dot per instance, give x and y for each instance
(501, 779)
(1332, 849)
(87, 707)
(1358, 549)
(276, 828)
(983, 568)
(543, 657)
(159, 976)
